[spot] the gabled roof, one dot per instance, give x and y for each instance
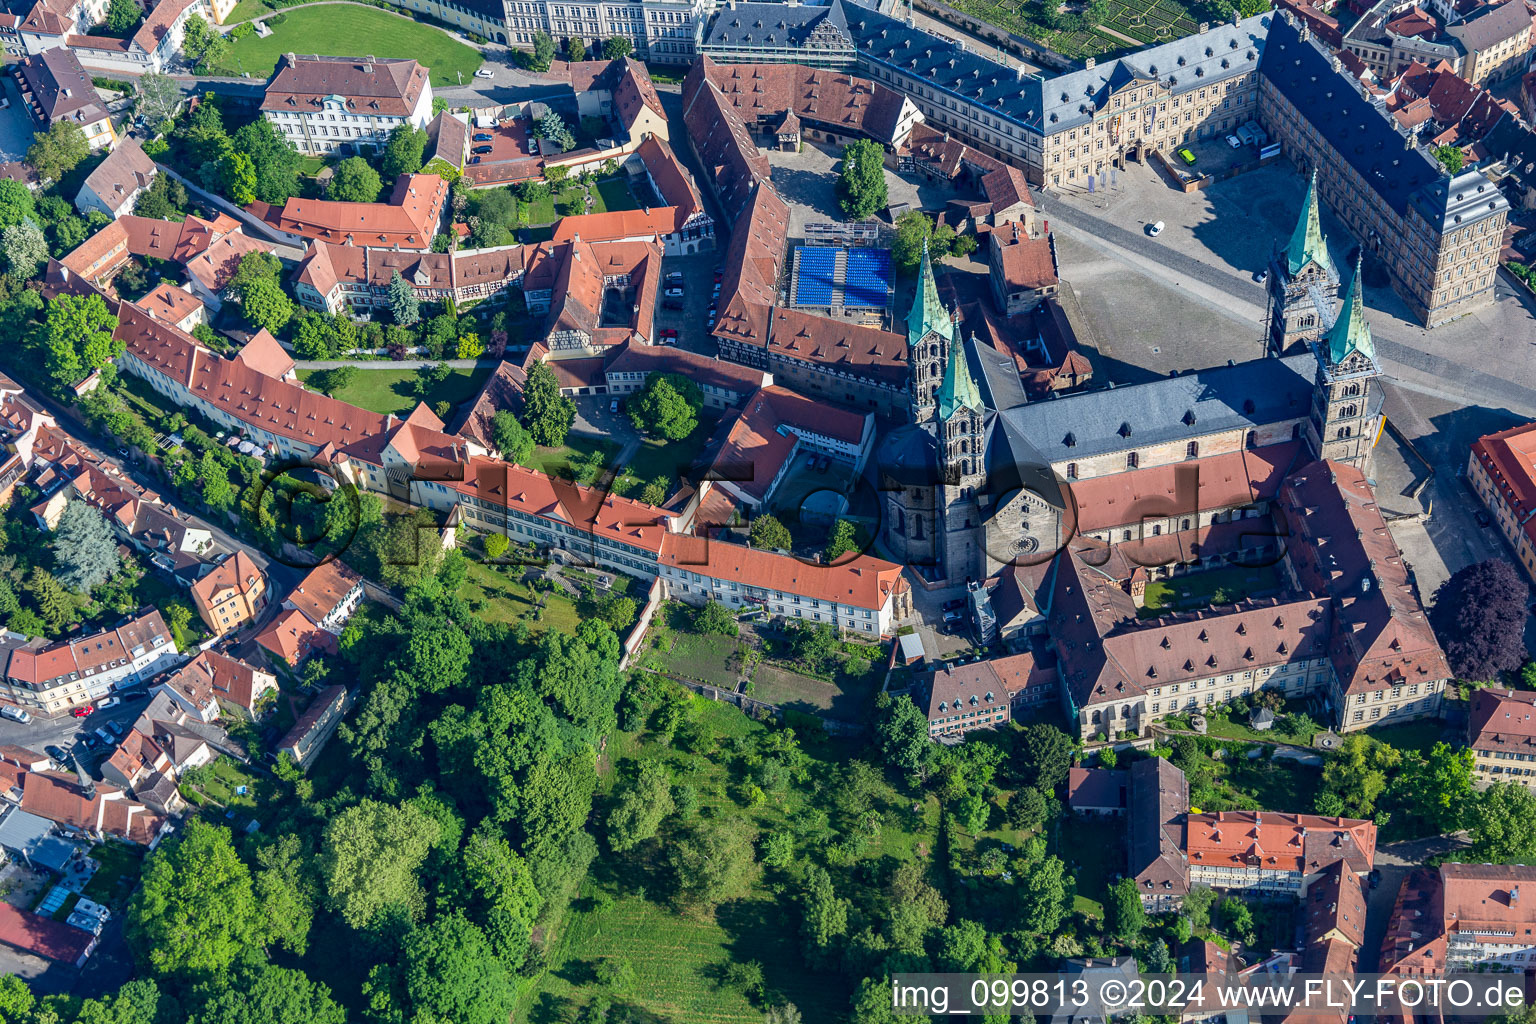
(390, 87)
(323, 590)
(119, 177)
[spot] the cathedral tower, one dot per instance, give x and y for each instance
(1346, 404)
(930, 333)
(1302, 282)
(961, 440)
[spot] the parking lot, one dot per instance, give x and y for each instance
(692, 321)
(16, 128)
(70, 733)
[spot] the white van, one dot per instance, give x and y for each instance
(15, 714)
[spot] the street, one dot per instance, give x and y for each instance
(1395, 861)
(70, 733)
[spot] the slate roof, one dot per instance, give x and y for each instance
(1364, 134)
(60, 87)
(775, 25)
(1223, 398)
(1055, 104)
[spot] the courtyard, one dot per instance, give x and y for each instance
(807, 182)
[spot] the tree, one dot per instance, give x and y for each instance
(238, 174)
(844, 540)
(511, 438)
(404, 151)
(712, 617)
(902, 734)
(369, 858)
(711, 861)
(157, 96)
(575, 50)
(547, 413)
(333, 381)
(1044, 896)
(77, 337)
(1124, 915)
(275, 162)
(1356, 775)
(55, 153)
(912, 230)
(84, 548)
(16, 205)
(1438, 786)
(1045, 755)
(640, 808)
(1450, 157)
(265, 305)
(403, 304)
(1027, 809)
(165, 199)
(194, 911)
(616, 47)
(551, 125)
(355, 181)
(1479, 617)
(1502, 820)
(265, 994)
(543, 51)
(618, 611)
(285, 893)
(509, 900)
(447, 973)
(823, 916)
(972, 812)
(861, 189)
(1236, 918)
(25, 248)
(666, 407)
(769, 534)
(122, 15)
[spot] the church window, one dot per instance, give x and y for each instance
(1192, 450)
(917, 527)
(901, 522)
(1071, 471)
(1345, 432)
(1348, 410)
(1253, 439)
(1131, 460)
(965, 446)
(1352, 389)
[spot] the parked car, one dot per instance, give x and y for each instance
(106, 738)
(1260, 275)
(675, 278)
(474, 159)
(1234, 142)
(826, 462)
(59, 755)
(669, 333)
(1482, 517)
(1375, 877)
(481, 149)
(83, 711)
(533, 146)
(1155, 229)
(1187, 155)
(665, 340)
(613, 406)
(674, 293)
(484, 73)
(482, 137)
(16, 714)
(108, 702)
(90, 741)
(118, 728)
(950, 618)
(954, 604)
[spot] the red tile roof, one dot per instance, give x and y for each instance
(862, 581)
(1272, 841)
(43, 936)
(320, 592)
(409, 220)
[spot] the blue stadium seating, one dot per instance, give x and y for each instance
(813, 286)
(869, 277)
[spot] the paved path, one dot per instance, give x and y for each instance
(1395, 861)
(1120, 35)
(1408, 361)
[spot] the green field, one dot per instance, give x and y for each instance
(497, 594)
(1219, 723)
(560, 461)
(654, 458)
(607, 195)
(363, 30)
(1211, 586)
(393, 391)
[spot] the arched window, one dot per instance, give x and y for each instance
(1096, 718)
(1071, 471)
(1348, 410)
(1131, 460)
(1157, 529)
(917, 527)
(901, 522)
(1352, 389)
(1346, 432)
(965, 446)
(1253, 439)
(1192, 450)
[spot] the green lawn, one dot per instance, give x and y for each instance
(117, 875)
(245, 10)
(1421, 735)
(559, 461)
(540, 212)
(849, 699)
(393, 391)
(669, 459)
(1213, 586)
(1219, 724)
(1093, 850)
(496, 594)
(361, 30)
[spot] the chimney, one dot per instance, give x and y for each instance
(1205, 27)
(1090, 63)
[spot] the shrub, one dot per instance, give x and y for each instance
(242, 30)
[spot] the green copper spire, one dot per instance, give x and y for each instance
(928, 312)
(959, 389)
(1307, 242)
(1350, 332)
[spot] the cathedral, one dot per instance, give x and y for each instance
(983, 478)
